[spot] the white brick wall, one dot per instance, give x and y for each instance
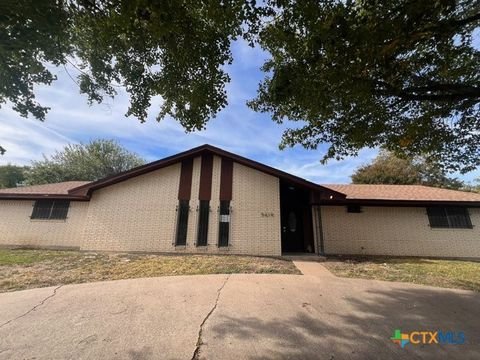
(396, 231)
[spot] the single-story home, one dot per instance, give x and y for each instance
(207, 200)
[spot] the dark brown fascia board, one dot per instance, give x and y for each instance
(86, 190)
(26, 196)
(398, 203)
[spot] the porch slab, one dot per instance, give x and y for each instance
(304, 257)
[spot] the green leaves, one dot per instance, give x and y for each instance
(403, 75)
(399, 74)
(172, 49)
(92, 161)
(11, 175)
(387, 168)
(31, 34)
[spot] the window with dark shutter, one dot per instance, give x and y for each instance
(449, 217)
(224, 224)
(50, 209)
(182, 223)
(202, 228)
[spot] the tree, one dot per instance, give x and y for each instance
(387, 168)
(174, 49)
(400, 74)
(11, 175)
(92, 161)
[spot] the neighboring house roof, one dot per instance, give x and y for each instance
(60, 190)
(403, 193)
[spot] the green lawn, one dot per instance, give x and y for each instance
(24, 269)
(434, 272)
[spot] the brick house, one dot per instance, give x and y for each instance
(207, 200)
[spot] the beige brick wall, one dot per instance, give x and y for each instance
(254, 193)
(16, 227)
(139, 215)
(194, 204)
(134, 215)
(396, 231)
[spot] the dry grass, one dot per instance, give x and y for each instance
(25, 269)
(442, 273)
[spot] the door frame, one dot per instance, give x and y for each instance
(296, 197)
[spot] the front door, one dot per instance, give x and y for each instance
(292, 230)
(293, 202)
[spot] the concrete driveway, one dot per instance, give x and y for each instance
(314, 316)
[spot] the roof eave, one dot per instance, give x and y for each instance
(26, 196)
(86, 190)
(399, 203)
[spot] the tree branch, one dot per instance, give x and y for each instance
(435, 91)
(441, 27)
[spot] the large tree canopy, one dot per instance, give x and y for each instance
(401, 74)
(387, 168)
(92, 161)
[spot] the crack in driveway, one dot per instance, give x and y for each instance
(34, 308)
(196, 353)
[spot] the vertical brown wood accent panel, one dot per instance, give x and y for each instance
(226, 180)
(206, 170)
(185, 188)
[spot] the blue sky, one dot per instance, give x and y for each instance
(236, 128)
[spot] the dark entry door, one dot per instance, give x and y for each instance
(292, 221)
(292, 230)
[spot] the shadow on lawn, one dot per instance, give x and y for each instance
(360, 327)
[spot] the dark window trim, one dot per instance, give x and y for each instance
(183, 210)
(449, 217)
(224, 226)
(202, 223)
(50, 209)
(354, 209)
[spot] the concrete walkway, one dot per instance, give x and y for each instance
(311, 268)
(235, 317)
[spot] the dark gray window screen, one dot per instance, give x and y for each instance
(224, 224)
(449, 217)
(182, 222)
(50, 209)
(202, 230)
(355, 209)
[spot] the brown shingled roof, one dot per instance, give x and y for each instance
(61, 188)
(402, 192)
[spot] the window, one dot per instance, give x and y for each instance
(292, 222)
(202, 229)
(224, 223)
(449, 217)
(354, 209)
(50, 209)
(182, 223)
